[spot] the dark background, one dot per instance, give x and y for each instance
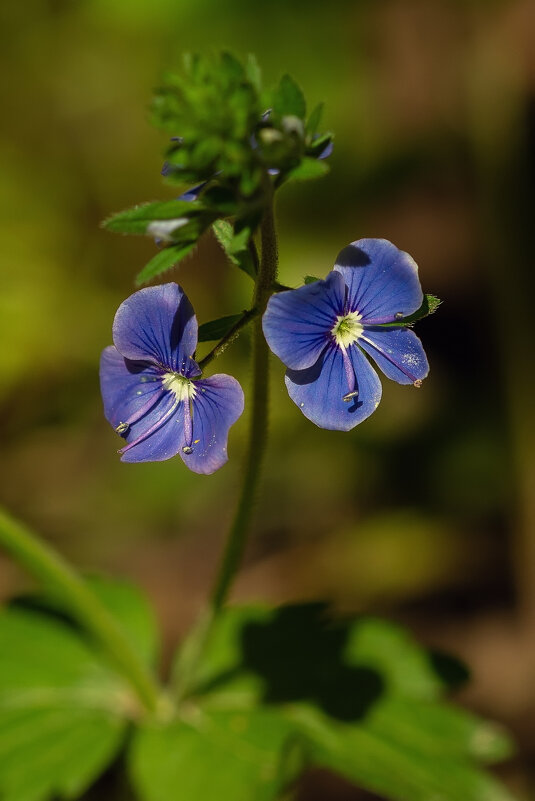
(424, 513)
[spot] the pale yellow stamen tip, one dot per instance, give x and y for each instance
(347, 329)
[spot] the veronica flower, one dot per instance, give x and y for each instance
(152, 393)
(324, 332)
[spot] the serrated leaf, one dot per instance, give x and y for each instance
(137, 219)
(235, 245)
(314, 120)
(162, 261)
(217, 329)
(289, 99)
(391, 768)
(307, 170)
(62, 711)
(213, 755)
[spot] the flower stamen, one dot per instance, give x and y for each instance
(347, 329)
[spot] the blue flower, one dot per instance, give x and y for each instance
(323, 330)
(152, 393)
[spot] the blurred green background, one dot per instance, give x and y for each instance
(425, 512)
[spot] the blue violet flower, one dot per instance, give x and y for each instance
(324, 331)
(152, 393)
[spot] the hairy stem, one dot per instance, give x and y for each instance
(237, 536)
(59, 578)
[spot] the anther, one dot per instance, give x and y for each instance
(122, 428)
(350, 395)
(187, 449)
(399, 315)
(417, 383)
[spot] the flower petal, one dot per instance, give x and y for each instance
(127, 387)
(133, 395)
(217, 404)
(398, 352)
(297, 323)
(382, 280)
(319, 390)
(158, 324)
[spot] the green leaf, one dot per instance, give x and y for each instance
(429, 306)
(289, 99)
(217, 329)
(307, 170)
(363, 694)
(137, 219)
(394, 769)
(253, 72)
(311, 279)
(314, 120)
(134, 613)
(235, 245)
(213, 755)
(162, 261)
(62, 711)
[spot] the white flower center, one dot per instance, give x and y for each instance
(182, 387)
(347, 329)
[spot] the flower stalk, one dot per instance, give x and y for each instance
(237, 536)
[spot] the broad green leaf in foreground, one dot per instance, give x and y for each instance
(137, 219)
(63, 708)
(363, 695)
(212, 755)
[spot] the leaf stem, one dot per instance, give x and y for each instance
(60, 578)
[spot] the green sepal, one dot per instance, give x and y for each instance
(163, 261)
(288, 99)
(429, 306)
(137, 219)
(217, 329)
(308, 169)
(311, 279)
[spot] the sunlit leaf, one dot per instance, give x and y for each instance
(137, 219)
(163, 261)
(213, 755)
(308, 169)
(288, 99)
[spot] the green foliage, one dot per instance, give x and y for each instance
(361, 697)
(236, 246)
(138, 219)
(163, 261)
(288, 99)
(224, 137)
(63, 708)
(217, 329)
(212, 754)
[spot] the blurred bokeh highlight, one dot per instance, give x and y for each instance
(424, 513)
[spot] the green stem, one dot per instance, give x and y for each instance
(237, 536)
(233, 334)
(59, 577)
